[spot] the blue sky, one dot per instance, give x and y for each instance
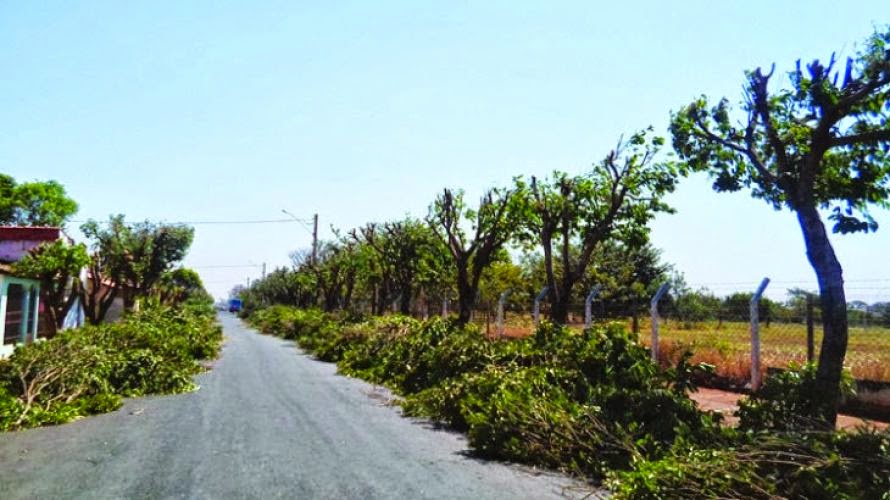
(365, 110)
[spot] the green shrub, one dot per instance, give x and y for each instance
(697, 473)
(826, 465)
(783, 402)
(88, 370)
(275, 320)
(579, 402)
(595, 404)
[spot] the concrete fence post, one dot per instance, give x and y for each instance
(811, 334)
(653, 312)
(588, 306)
(536, 312)
(445, 307)
(502, 301)
(755, 334)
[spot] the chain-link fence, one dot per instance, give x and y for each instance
(788, 332)
(718, 328)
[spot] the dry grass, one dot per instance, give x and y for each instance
(727, 345)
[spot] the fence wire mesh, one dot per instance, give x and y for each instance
(717, 328)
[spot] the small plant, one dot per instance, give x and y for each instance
(784, 401)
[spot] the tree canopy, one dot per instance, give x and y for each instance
(132, 257)
(491, 225)
(617, 199)
(819, 144)
(57, 265)
(39, 203)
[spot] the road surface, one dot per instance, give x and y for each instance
(267, 422)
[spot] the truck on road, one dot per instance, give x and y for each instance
(235, 305)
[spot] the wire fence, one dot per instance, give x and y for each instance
(718, 330)
(716, 326)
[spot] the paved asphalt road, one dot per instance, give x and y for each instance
(267, 422)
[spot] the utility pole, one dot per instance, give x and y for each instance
(264, 270)
(314, 257)
(314, 239)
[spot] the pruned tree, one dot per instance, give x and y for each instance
(335, 269)
(407, 256)
(491, 227)
(57, 265)
(378, 273)
(99, 292)
(821, 144)
(616, 199)
(129, 259)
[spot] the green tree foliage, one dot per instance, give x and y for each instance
(691, 306)
(399, 262)
(617, 199)
(88, 370)
(281, 286)
(627, 277)
(336, 271)
(129, 259)
(490, 225)
(595, 404)
(58, 266)
(7, 199)
(41, 203)
(408, 258)
(881, 310)
(181, 285)
(737, 307)
(821, 144)
(502, 275)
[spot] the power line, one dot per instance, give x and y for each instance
(227, 266)
(313, 230)
(209, 222)
(786, 282)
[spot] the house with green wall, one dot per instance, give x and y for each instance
(20, 308)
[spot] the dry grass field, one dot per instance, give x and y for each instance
(727, 345)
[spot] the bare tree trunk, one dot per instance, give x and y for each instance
(350, 288)
(834, 313)
(405, 302)
(96, 299)
(53, 320)
(554, 293)
(466, 294)
(559, 309)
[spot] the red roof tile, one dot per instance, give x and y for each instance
(22, 233)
